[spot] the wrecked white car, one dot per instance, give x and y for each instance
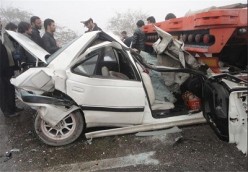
(95, 81)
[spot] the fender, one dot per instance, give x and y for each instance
(54, 114)
(50, 109)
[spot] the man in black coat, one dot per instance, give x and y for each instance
(7, 66)
(126, 40)
(50, 43)
(139, 37)
(90, 25)
(26, 59)
(36, 26)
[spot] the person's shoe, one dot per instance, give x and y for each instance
(10, 115)
(18, 109)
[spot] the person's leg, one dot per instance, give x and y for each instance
(2, 95)
(9, 97)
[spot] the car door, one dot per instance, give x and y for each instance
(225, 108)
(106, 100)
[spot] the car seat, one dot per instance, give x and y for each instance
(118, 75)
(155, 104)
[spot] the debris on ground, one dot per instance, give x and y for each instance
(33, 150)
(178, 140)
(159, 132)
(8, 156)
(89, 141)
(15, 150)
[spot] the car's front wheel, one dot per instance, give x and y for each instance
(65, 132)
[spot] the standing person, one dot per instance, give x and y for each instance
(11, 45)
(50, 43)
(26, 59)
(151, 20)
(138, 42)
(90, 25)
(126, 40)
(170, 16)
(7, 67)
(148, 48)
(36, 26)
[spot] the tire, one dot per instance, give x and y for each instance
(66, 132)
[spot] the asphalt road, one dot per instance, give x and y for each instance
(195, 148)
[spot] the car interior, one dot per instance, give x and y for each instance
(167, 108)
(107, 62)
(155, 104)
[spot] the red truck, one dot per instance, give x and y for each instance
(217, 32)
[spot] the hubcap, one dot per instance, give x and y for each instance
(62, 130)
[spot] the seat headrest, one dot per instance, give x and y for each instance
(105, 71)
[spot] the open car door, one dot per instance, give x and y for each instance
(225, 108)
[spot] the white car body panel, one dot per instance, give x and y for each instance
(59, 77)
(87, 92)
(110, 93)
(51, 114)
(93, 48)
(59, 112)
(34, 49)
(237, 116)
(152, 125)
(101, 118)
(70, 53)
(238, 121)
(38, 80)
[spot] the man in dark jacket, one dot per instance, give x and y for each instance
(50, 43)
(126, 40)
(36, 26)
(7, 67)
(26, 59)
(151, 20)
(90, 25)
(139, 37)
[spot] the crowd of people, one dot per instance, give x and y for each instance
(137, 40)
(15, 58)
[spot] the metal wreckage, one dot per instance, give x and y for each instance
(96, 81)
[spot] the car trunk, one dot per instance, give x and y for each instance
(37, 80)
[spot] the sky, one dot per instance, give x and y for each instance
(69, 13)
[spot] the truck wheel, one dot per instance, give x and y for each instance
(65, 132)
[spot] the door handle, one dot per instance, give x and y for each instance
(78, 89)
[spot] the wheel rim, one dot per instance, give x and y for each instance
(62, 130)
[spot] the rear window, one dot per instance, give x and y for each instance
(88, 67)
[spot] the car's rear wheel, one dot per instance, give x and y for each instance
(65, 132)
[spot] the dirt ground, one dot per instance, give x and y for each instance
(195, 148)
